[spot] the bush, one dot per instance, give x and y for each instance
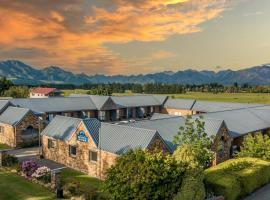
(42, 173)
(144, 175)
(10, 160)
(257, 146)
(237, 178)
(28, 167)
(192, 187)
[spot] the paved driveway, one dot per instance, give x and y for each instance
(261, 194)
(32, 154)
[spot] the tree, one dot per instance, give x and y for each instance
(144, 175)
(17, 92)
(257, 146)
(5, 84)
(193, 135)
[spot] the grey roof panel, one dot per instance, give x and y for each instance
(61, 127)
(185, 104)
(119, 139)
(3, 105)
(55, 104)
(208, 106)
(138, 101)
(162, 116)
(169, 127)
(13, 115)
(243, 121)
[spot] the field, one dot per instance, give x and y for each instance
(261, 98)
(14, 187)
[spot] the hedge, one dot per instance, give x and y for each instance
(237, 178)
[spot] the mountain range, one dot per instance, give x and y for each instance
(21, 73)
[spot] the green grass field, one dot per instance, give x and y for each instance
(261, 98)
(14, 187)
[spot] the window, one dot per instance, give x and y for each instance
(93, 156)
(72, 151)
(50, 144)
(102, 115)
(1, 129)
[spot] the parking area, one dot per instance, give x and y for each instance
(33, 154)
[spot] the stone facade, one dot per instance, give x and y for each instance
(222, 145)
(61, 153)
(15, 136)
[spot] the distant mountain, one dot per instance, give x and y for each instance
(21, 73)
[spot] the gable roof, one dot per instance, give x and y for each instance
(103, 102)
(185, 104)
(245, 120)
(55, 104)
(41, 90)
(119, 139)
(13, 115)
(169, 127)
(109, 137)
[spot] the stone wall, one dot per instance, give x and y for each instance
(8, 135)
(12, 135)
(222, 145)
(60, 153)
(29, 120)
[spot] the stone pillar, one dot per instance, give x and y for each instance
(55, 179)
(2, 155)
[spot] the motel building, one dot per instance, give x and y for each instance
(91, 146)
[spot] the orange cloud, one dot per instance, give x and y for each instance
(73, 34)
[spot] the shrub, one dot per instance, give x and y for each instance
(42, 173)
(257, 146)
(10, 160)
(143, 175)
(237, 177)
(28, 167)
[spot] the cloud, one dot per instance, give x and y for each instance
(73, 33)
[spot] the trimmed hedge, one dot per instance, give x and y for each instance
(237, 178)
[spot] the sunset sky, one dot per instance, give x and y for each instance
(136, 36)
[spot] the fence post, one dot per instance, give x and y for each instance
(56, 182)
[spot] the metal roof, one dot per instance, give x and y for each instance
(169, 127)
(245, 120)
(41, 90)
(113, 138)
(185, 104)
(13, 115)
(61, 127)
(119, 139)
(208, 106)
(55, 104)
(3, 105)
(139, 100)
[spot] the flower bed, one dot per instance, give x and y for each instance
(32, 171)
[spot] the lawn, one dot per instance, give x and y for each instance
(87, 184)
(261, 98)
(14, 187)
(76, 91)
(4, 146)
